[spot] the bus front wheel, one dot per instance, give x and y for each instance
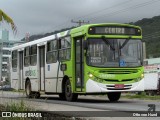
(68, 92)
(62, 96)
(114, 96)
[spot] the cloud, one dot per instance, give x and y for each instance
(41, 16)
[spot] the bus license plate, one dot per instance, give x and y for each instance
(119, 85)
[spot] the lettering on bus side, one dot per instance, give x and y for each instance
(30, 72)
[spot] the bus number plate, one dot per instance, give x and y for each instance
(119, 85)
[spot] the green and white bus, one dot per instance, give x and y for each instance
(92, 59)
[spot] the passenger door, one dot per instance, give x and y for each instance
(42, 67)
(21, 80)
(79, 63)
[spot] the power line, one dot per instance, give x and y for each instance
(151, 37)
(125, 9)
(95, 12)
(155, 33)
(112, 13)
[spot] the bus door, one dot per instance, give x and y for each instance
(42, 67)
(79, 65)
(21, 80)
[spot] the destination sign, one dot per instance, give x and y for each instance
(111, 30)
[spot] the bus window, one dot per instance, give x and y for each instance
(14, 59)
(26, 56)
(33, 55)
(51, 52)
(98, 52)
(65, 50)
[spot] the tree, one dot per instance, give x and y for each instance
(5, 17)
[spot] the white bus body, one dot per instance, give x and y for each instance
(41, 75)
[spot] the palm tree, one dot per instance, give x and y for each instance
(5, 17)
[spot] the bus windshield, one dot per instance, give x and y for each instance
(114, 52)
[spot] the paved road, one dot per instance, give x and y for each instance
(84, 103)
(95, 102)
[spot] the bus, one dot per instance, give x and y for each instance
(92, 59)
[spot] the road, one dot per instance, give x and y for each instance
(84, 103)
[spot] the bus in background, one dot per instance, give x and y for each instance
(92, 59)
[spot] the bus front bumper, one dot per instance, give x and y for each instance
(95, 87)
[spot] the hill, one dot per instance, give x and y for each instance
(151, 35)
(35, 37)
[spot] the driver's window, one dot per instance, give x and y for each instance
(132, 50)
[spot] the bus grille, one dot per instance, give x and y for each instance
(118, 88)
(119, 71)
(113, 80)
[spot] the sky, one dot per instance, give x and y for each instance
(42, 16)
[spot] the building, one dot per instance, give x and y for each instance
(5, 53)
(152, 65)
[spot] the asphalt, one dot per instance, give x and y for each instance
(85, 106)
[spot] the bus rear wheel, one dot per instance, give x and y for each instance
(28, 89)
(68, 92)
(114, 96)
(36, 95)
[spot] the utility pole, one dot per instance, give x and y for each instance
(27, 37)
(80, 22)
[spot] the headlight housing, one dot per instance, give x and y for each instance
(90, 75)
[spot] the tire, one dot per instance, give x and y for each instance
(114, 96)
(28, 89)
(62, 96)
(147, 93)
(68, 92)
(153, 93)
(29, 93)
(36, 95)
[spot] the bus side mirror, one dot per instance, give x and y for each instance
(85, 45)
(63, 67)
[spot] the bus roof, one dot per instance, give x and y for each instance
(66, 33)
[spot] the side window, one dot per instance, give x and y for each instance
(26, 56)
(33, 55)
(51, 56)
(65, 49)
(14, 59)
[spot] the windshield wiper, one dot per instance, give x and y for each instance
(125, 42)
(108, 43)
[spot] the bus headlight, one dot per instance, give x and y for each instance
(90, 75)
(138, 79)
(142, 75)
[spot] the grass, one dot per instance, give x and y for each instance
(13, 107)
(18, 107)
(21, 107)
(142, 96)
(14, 90)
